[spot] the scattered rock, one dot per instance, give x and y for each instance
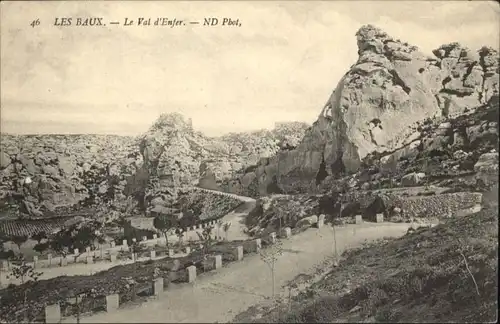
(4, 160)
(307, 221)
(412, 179)
(487, 163)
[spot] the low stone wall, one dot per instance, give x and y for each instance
(106, 252)
(431, 205)
(221, 193)
(438, 205)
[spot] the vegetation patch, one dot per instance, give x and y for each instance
(431, 274)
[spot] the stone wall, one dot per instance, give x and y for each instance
(432, 204)
(438, 205)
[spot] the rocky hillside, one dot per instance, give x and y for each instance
(444, 170)
(383, 104)
(429, 275)
(43, 175)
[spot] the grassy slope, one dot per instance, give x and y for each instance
(421, 277)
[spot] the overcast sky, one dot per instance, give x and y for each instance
(280, 65)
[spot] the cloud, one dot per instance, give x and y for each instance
(281, 64)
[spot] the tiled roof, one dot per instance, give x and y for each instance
(30, 227)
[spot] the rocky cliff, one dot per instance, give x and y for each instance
(43, 175)
(378, 106)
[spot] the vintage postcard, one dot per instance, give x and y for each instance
(249, 161)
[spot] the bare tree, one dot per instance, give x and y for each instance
(281, 214)
(27, 274)
(226, 228)
(270, 255)
(19, 240)
(180, 234)
(335, 251)
(135, 248)
(79, 299)
(219, 225)
(332, 205)
(164, 223)
(206, 239)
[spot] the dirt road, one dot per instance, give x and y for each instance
(237, 219)
(222, 295)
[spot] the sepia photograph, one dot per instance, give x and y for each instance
(249, 161)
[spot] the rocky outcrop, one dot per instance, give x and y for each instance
(412, 179)
(487, 163)
(42, 175)
(378, 106)
(175, 156)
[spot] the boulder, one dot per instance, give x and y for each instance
(307, 221)
(50, 171)
(412, 179)
(4, 160)
(487, 163)
(67, 166)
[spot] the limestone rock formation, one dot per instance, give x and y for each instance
(176, 156)
(412, 179)
(63, 170)
(488, 163)
(69, 173)
(378, 106)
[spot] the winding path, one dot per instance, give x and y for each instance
(220, 296)
(237, 216)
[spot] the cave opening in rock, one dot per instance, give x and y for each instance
(273, 187)
(338, 167)
(376, 207)
(321, 174)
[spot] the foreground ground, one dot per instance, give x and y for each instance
(447, 273)
(235, 232)
(220, 296)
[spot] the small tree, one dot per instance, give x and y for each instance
(5, 254)
(77, 236)
(180, 234)
(332, 206)
(79, 297)
(270, 255)
(135, 247)
(27, 274)
(41, 247)
(19, 240)
(219, 225)
(280, 214)
(23, 271)
(164, 223)
(225, 228)
(39, 236)
(206, 241)
(335, 252)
